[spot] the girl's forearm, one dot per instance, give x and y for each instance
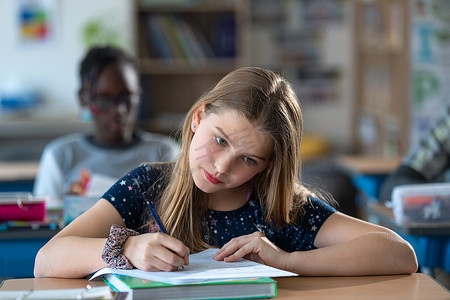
(70, 257)
(376, 253)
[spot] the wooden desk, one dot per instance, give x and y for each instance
(18, 170)
(415, 286)
(369, 165)
(17, 176)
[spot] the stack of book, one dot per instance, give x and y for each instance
(203, 278)
(138, 288)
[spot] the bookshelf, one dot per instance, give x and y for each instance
(381, 114)
(183, 49)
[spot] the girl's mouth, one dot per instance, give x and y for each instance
(116, 125)
(211, 178)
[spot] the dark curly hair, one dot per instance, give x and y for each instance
(96, 59)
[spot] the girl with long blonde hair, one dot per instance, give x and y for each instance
(236, 186)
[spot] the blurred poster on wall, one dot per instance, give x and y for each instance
(36, 21)
(430, 62)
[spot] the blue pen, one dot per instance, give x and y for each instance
(158, 220)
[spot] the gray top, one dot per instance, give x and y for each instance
(63, 159)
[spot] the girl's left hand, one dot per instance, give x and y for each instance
(255, 247)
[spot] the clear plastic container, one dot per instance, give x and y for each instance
(422, 204)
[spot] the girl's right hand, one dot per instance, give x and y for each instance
(156, 252)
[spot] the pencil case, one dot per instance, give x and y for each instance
(21, 207)
(427, 203)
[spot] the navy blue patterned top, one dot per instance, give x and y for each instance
(129, 196)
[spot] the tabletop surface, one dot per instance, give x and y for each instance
(415, 286)
(368, 165)
(18, 170)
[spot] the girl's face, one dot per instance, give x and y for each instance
(114, 104)
(226, 150)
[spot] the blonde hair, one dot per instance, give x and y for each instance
(268, 101)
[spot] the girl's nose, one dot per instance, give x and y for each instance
(120, 108)
(222, 162)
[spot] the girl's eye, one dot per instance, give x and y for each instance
(220, 141)
(249, 160)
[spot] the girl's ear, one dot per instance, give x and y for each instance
(197, 115)
(81, 98)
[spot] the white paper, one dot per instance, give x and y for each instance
(99, 184)
(203, 268)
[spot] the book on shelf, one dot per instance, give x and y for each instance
(200, 38)
(139, 288)
(224, 36)
(158, 40)
(189, 36)
(169, 32)
(177, 22)
(173, 36)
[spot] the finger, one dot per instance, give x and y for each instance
(168, 257)
(241, 252)
(229, 248)
(237, 243)
(174, 244)
(178, 248)
(225, 251)
(158, 264)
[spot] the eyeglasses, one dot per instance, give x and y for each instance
(108, 103)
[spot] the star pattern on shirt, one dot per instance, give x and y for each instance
(136, 181)
(146, 183)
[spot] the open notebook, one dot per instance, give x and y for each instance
(203, 268)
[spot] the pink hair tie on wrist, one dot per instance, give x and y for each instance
(112, 251)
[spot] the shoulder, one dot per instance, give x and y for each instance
(162, 147)
(64, 143)
(316, 203)
(157, 138)
(66, 140)
(316, 208)
(152, 171)
(138, 181)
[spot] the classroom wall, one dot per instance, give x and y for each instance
(295, 36)
(51, 68)
(334, 121)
